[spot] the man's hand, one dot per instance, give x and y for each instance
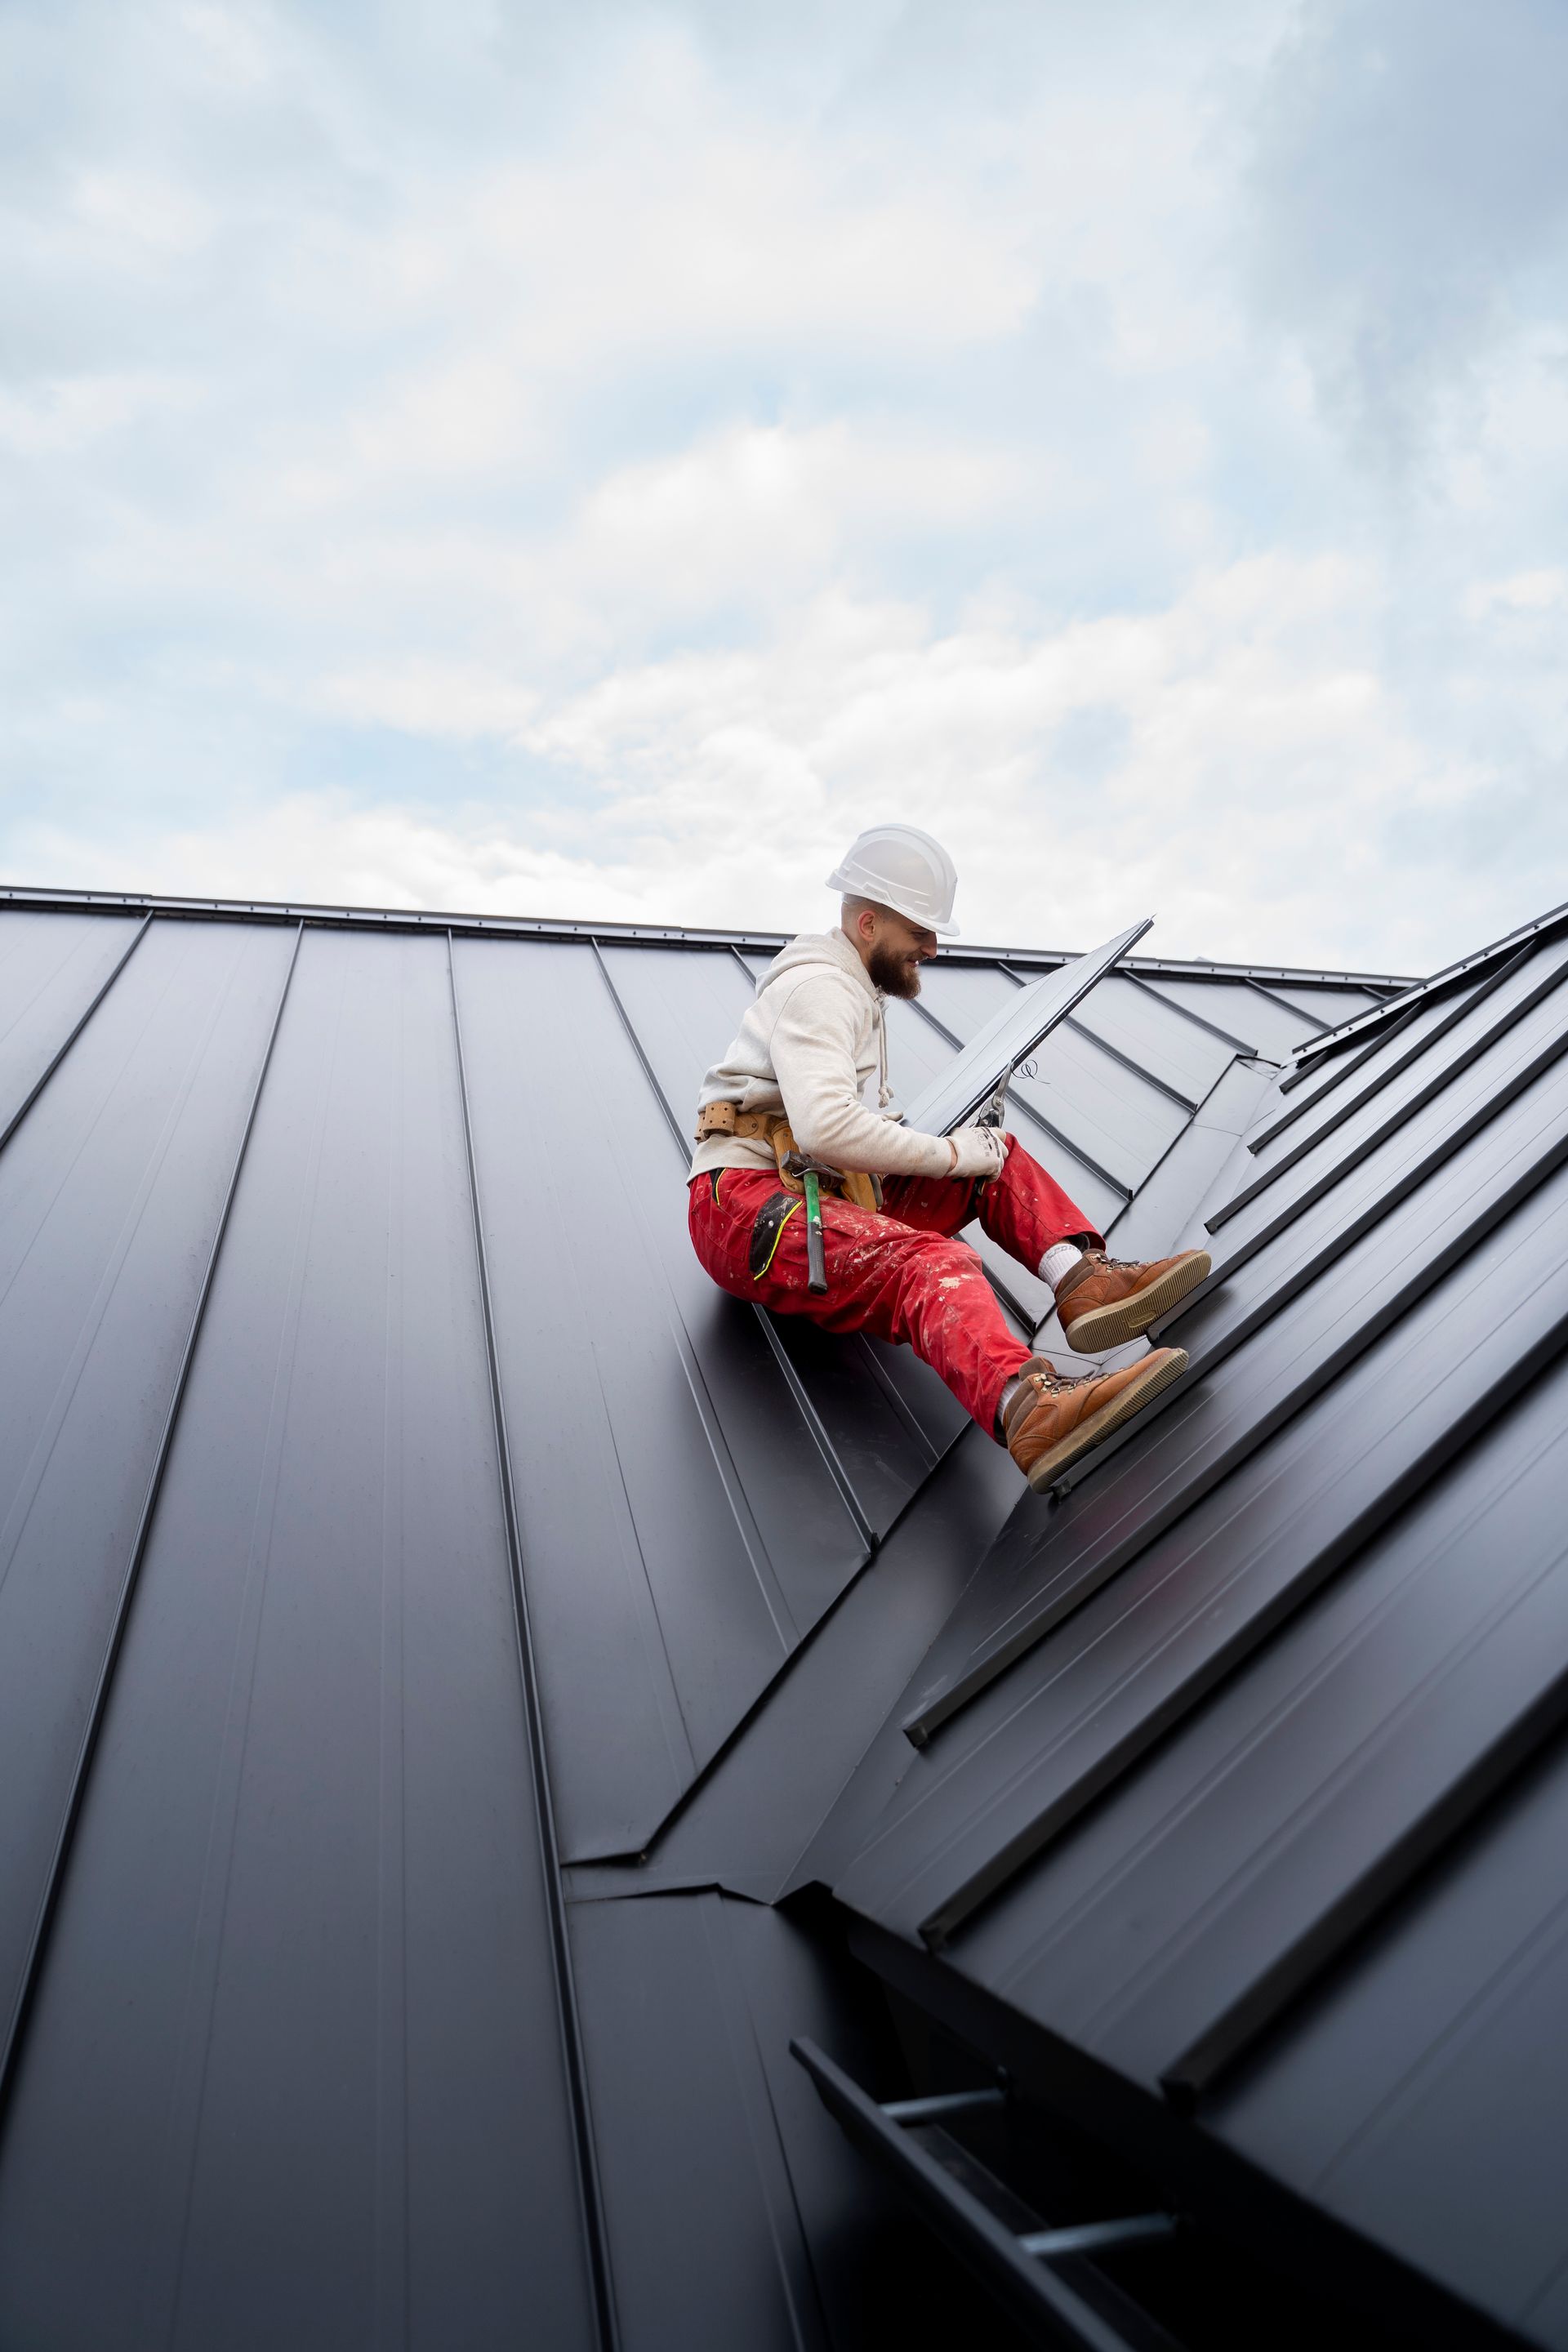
(979, 1152)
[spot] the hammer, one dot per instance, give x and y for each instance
(816, 1252)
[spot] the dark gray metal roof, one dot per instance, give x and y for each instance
(436, 1628)
(1226, 1744)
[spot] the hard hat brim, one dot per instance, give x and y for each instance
(839, 880)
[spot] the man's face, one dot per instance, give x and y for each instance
(898, 949)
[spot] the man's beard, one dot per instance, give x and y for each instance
(892, 973)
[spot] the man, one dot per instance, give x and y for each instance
(794, 1084)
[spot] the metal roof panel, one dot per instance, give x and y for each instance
(325, 1913)
(111, 1195)
(54, 968)
(1418, 2091)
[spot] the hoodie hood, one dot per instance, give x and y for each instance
(830, 948)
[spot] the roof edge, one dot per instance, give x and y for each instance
(1415, 990)
(406, 918)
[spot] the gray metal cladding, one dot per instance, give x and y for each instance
(1245, 1766)
(1483, 965)
(1016, 1030)
(294, 2065)
(1324, 1085)
(1167, 1212)
(1116, 1122)
(417, 1582)
(736, 2215)
(1325, 1008)
(1506, 1026)
(684, 1522)
(1251, 1023)
(748, 1822)
(1008, 1775)
(885, 1415)
(1372, 1237)
(1500, 1126)
(1165, 1928)
(1418, 2091)
(919, 1049)
(53, 968)
(916, 1027)
(1137, 1021)
(110, 1194)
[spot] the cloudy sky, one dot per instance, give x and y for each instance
(488, 454)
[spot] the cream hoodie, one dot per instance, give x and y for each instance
(812, 1045)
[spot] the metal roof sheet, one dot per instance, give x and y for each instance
(1215, 1723)
(420, 1591)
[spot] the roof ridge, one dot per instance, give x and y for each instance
(331, 912)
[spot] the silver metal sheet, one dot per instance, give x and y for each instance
(1072, 1103)
(1326, 1007)
(1155, 1035)
(52, 970)
(1016, 1027)
(1169, 1209)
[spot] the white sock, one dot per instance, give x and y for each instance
(1009, 1391)
(1059, 1259)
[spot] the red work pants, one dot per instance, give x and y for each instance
(902, 1275)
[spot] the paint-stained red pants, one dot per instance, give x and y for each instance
(901, 1275)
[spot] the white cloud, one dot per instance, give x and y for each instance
(1068, 769)
(503, 458)
(65, 417)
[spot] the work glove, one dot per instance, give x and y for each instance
(982, 1152)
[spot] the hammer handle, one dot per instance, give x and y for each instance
(816, 1254)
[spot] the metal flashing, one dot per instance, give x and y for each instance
(1527, 935)
(1543, 978)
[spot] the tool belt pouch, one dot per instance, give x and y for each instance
(772, 1127)
(729, 1119)
(782, 1140)
(863, 1191)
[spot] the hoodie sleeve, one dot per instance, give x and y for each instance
(814, 1056)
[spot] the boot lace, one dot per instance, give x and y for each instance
(1046, 1381)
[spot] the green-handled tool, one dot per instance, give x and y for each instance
(815, 1254)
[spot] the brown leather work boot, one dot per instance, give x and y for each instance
(1105, 1300)
(1053, 1419)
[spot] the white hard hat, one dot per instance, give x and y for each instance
(902, 867)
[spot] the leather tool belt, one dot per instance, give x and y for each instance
(772, 1127)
